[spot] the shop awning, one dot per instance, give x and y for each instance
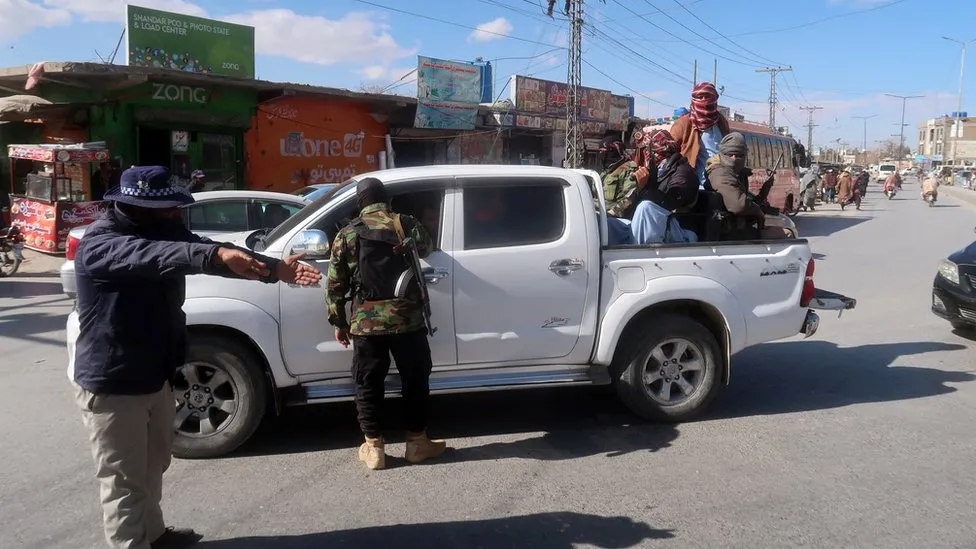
(17, 108)
(77, 153)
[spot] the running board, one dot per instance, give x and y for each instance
(450, 382)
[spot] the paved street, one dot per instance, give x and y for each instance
(861, 436)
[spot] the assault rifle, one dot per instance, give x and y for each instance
(414, 274)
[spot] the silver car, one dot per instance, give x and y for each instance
(212, 214)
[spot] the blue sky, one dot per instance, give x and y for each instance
(845, 53)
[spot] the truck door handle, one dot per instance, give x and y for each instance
(433, 276)
(565, 267)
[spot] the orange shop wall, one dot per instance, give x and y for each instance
(298, 141)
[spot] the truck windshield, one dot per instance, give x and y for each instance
(300, 217)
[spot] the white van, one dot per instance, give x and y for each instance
(884, 170)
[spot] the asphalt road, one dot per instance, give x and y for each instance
(861, 436)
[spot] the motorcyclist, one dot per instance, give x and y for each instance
(891, 183)
(930, 185)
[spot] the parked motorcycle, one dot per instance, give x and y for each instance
(11, 250)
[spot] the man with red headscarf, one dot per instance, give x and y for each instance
(699, 132)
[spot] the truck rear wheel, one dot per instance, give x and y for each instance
(669, 370)
(220, 398)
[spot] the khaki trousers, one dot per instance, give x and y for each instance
(131, 441)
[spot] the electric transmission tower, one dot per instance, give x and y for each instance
(574, 132)
(772, 91)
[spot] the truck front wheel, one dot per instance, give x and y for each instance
(220, 398)
(669, 369)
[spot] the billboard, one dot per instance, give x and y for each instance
(542, 102)
(185, 43)
(448, 94)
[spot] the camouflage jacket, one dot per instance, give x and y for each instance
(394, 316)
(619, 188)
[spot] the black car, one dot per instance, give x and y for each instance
(954, 289)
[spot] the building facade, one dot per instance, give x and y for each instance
(948, 141)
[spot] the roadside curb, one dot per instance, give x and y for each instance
(964, 195)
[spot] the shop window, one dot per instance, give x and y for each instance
(225, 216)
(219, 160)
(500, 216)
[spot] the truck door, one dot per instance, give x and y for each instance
(308, 341)
(520, 248)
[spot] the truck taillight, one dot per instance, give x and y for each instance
(71, 247)
(806, 296)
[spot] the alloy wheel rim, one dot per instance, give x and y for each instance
(206, 399)
(674, 371)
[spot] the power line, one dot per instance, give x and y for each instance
(625, 86)
(604, 36)
(696, 33)
(718, 32)
(429, 18)
(680, 39)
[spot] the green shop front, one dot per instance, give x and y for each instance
(184, 126)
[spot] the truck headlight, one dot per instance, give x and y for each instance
(949, 271)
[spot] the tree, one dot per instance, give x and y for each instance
(890, 149)
(371, 88)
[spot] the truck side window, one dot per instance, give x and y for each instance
(513, 215)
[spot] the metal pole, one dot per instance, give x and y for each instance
(574, 133)
(957, 126)
(901, 140)
(694, 76)
(864, 142)
(810, 125)
(715, 73)
(772, 92)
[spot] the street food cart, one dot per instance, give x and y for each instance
(50, 191)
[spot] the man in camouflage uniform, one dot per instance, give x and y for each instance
(380, 328)
(623, 178)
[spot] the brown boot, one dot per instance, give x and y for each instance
(371, 452)
(419, 447)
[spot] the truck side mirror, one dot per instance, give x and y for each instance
(313, 243)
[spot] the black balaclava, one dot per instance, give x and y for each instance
(370, 191)
(145, 219)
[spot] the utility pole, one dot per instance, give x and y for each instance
(773, 71)
(574, 133)
(810, 126)
(864, 143)
(901, 139)
(962, 73)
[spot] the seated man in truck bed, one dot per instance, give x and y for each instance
(730, 178)
(664, 184)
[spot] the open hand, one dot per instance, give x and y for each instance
(293, 271)
(241, 263)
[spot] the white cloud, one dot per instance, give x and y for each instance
(19, 17)
(313, 39)
(492, 30)
(114, 10)
(388, 74)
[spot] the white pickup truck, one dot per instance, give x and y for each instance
(534, 298)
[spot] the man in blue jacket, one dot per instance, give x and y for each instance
(131, 269)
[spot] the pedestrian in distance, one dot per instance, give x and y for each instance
(131, 272)
(368, 260)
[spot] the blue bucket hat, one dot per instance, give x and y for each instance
(149, 187)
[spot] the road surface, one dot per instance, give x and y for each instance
(858, 437)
